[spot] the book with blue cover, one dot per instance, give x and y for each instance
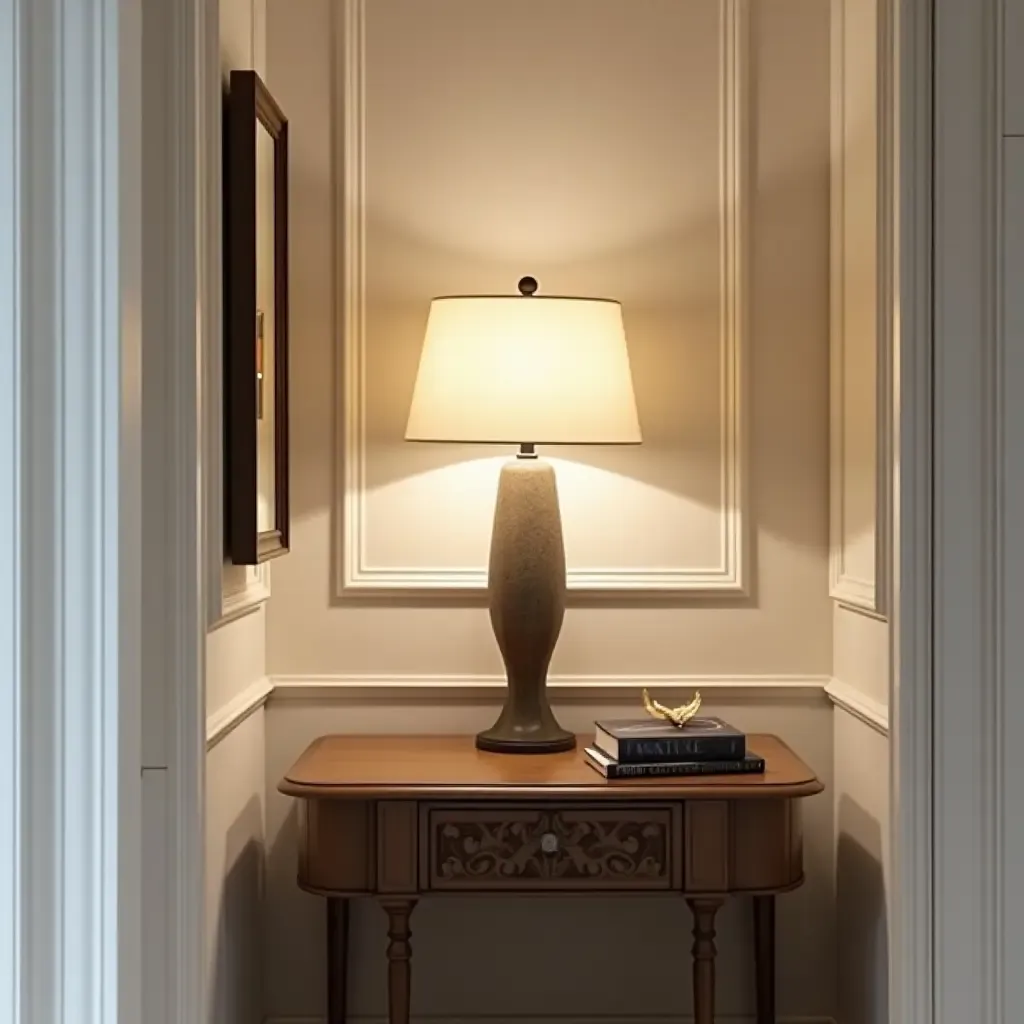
(648, 740)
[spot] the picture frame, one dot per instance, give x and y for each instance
(256, 410)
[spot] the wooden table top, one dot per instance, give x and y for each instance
(360, 767)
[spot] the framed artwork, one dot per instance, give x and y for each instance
(255, 323)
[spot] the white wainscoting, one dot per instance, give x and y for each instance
(243, 589)
(721, 570)
(851, 700)
(862, 305)
(226, 719)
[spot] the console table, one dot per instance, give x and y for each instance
(399, 817)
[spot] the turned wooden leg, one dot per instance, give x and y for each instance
(704, 910)
(399, 909)
(337, 960)
(764, 957)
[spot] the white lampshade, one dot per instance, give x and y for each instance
(524, 369)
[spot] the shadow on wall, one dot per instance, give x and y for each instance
(862, 917)
(235, 993)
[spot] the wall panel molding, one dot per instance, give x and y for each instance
(231, 591)
(243, 590)
(354, 573)
(868, 593)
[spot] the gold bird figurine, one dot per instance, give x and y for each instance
(677, 716)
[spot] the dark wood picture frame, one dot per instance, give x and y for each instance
(248, 105)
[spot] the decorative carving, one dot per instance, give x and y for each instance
(551, 846)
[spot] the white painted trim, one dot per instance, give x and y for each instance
(849, 699)
(569, 1018)
(953, 604)
(225, 720)
(239, 601)
(211, 313)
(175, 45)
(71, 460)
(353, 574)
(911, 697)
(431, 688)
(871, 596)
(11, 674)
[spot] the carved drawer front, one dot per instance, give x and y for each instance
(550, 848)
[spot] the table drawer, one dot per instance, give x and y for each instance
(539, 847)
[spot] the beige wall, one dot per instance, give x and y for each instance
(479, 166)
(235, 669)
(460, 196)
(861, 548)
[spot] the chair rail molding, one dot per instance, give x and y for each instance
(225, 720)
(861, 591)
(354, 574)
(563, 688)
(849, 699)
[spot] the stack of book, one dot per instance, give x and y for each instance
(634, 748)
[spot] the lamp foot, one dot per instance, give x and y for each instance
(501, 739)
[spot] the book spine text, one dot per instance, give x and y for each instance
(743, 767)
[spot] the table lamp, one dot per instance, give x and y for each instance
(525, 369)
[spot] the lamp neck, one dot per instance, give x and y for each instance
(527, 451)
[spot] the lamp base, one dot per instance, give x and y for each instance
(526, 596)
(499, 740)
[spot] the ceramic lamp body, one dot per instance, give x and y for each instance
(526, 595)
(525, 369)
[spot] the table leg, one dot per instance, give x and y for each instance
(704, 910)
(399, 909)
(764, 957)
(337, 960)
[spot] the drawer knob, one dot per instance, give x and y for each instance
(549, 842)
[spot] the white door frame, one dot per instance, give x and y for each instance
(958, 606)
(104, 206)
(102, 624)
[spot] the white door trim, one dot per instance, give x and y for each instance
(178, 79)
(101, 620)
(910, 700)
(70, 357)
(953, 659)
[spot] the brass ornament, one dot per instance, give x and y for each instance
(677, 716)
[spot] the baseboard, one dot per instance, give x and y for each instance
(851, 700)
(652, 1018)
(226, 719)
(433, 689)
